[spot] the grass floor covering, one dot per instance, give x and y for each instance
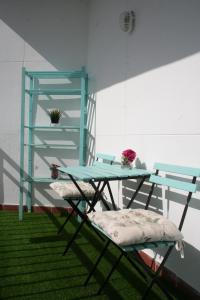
(32, 266)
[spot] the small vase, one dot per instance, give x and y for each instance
(54, 174)
(127, 165)
(54, 171)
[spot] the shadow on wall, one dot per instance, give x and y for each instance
(191, 261)
(42, 194)
(10, 170)
(58, 30)
(91, 121)
(165, 32)
(188, 266)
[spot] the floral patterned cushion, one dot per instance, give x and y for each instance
(68, 189)
(135, 226)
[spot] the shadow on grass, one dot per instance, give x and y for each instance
(81, 254)
(32, 294)
(38, 271)
(41, 281)
(85, 249)
(50, 239)
(49, 262)
(31, 249)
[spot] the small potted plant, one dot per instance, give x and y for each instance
(55, 116)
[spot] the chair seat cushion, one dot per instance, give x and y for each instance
(135, 226)
(68, 189)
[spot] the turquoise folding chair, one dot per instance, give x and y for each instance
(69, 192)
(123, 228)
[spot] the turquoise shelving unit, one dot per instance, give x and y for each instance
(31, 92)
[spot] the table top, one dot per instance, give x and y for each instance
(103, 171)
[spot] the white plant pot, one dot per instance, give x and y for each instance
(55, 124)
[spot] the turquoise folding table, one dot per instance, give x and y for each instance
(104, 173)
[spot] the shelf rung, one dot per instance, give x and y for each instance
(56, 146)
(53, 127)
(56, 74)
(54, 92)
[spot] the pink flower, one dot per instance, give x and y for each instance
(129, 155)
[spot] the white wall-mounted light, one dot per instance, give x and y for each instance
(127, 21)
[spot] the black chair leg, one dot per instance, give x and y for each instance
(96, 264)
(109, 275)
(74, 237)
(67, 219)
(154, 278)
(135, 266)
(146, 293)
(97, 232)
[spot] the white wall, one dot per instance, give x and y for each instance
(40, 35)
(146, 88)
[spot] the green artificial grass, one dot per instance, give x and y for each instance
(32, 265)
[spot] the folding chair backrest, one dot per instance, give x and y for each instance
(104, 158)
(182, 184)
